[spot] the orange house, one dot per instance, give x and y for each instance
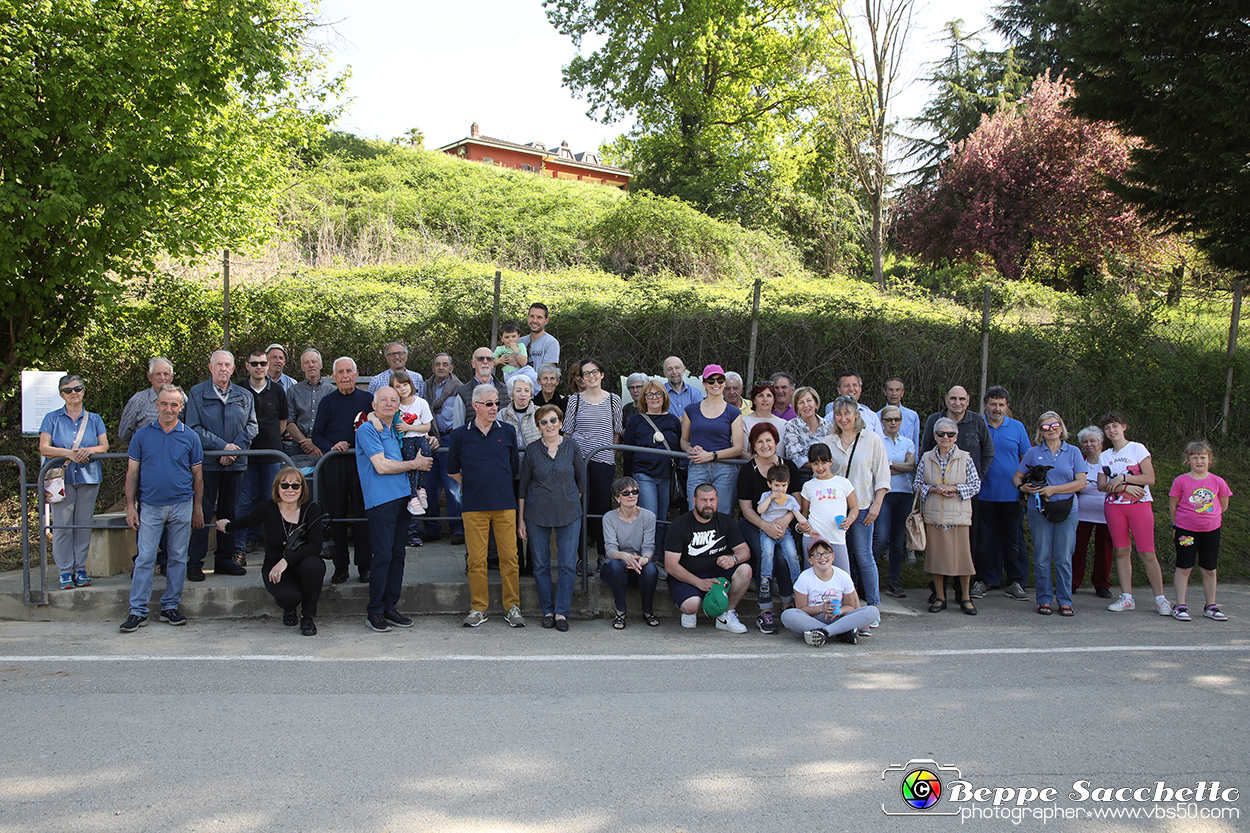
(557, 163)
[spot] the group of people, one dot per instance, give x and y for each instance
(821, 495)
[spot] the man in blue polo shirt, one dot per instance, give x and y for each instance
(1000, 547)
(334, 429)
(384, 483)
(163, 479)
(482, 458)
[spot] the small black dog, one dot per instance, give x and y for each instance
(1037, 475)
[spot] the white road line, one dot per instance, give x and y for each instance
(937, 652)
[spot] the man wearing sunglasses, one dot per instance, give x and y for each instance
(483, 374)
(396, 355)
(270, 401)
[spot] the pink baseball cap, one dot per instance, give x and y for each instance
(712, 370)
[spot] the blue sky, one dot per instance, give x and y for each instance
(442, 66)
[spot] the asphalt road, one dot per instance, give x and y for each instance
(247, 726)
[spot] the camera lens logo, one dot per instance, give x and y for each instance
(921, 789)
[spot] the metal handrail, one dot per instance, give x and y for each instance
(57, 462)
(23, 527)
(316, 489)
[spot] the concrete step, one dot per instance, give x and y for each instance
(434, 584)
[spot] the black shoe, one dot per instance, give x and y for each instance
(562, 625)
(363, 577)
(431, 536)
(290, 618)
(549, 620)
(377, 622)
(228, 568)
(173, 617)
(251, 545)
(849, 637)
(457, 538)
(195, 574)
(339, 576)
(895, 589)
(307, 626)
(414, 540)
(938, 606)
(160, 568)
(1103, 592)
(133, 623)
(397, 619)
(492, 564)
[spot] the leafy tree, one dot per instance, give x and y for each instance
(1025, 186)
(971, 82)
(132, 128)
(412, 137)
(711, 84)
(1174, 75)
(1029, 28)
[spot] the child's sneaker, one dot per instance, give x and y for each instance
(1125, 602)
(766, 588)
(815, 637)
(1213, 612)
(415, 507)
(67, 581)
(767, 623)
(1161, 605)
(1181, 613)
(425, 502)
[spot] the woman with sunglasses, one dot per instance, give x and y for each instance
(293, 571)
(553, 477)
(947, 482)
(594, 420)
(74, 433)
(652, 427)
(630, 533)
(1049, 505)
(711, 431)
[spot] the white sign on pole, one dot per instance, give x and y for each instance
(40, 397)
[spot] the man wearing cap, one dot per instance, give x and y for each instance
(276, 354)
(396, 359)
(703, 545)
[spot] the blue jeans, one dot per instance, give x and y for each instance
(783, 580)
(617, 576)
(568, 538)
(768, 547)
(653, 495)
(388, 535)
(890, 530)
(255, 488)
(439, 481)
(154, 520)
(724, 476)
(1053, 543)
(859, 545)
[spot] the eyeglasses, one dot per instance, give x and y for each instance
(74, 389)
(258, 364)
(483, 358)
(891, 419)
(628, 493)
(819, 555)
(653, 394)
(1051, 426)
(946, 433)
(494, 403)
(715, 380)
(396, 353)
(292, 487)
(588, 373)
(549, 421)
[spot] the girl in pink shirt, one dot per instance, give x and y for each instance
(1198, 501)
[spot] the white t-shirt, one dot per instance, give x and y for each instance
(1125, 461)
(416, 413)
(819, 592)
(826, 500)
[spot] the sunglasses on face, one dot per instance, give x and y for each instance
(74, 389)
(1051, 426)
(293, 487)
(628, 492)
(482, 358)
(947, 433)
(549, 421)
(258, 364)
(715, 380)
(494, 403)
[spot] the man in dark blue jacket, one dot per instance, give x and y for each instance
(334, 429)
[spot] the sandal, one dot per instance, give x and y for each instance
(618, 621)
(1044, 610)
(1066, 610)
(969, 608)
(651, 620)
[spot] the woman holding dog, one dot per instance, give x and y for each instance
(1050, 474)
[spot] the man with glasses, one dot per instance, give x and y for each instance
(482, 457)
(483, 374)
(140, 411)
(633, 384)
(223, 416)
(396, 359)
(271, 415)
(1000, 545)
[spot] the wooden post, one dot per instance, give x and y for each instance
(755, 331)
(494, 321)
(1233, 326)
(225, 299)
(985, 340)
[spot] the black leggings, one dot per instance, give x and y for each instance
(599, 484)
(300, 584)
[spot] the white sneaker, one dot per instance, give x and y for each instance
(729, 622)
(1125, 602)
(815, 638)
(689, 620)
(876, 623)
(415, 507)
(1161, 605)
(421, 496)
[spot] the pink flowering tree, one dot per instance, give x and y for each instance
(1027, 185)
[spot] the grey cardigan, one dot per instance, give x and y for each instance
(552, 488)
